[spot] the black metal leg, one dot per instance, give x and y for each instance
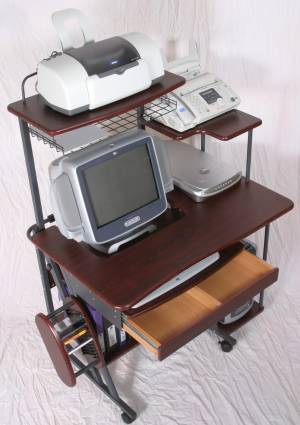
(29, 160)
(265, 255)
(140, 112)
(97, 375)
(128, 415)
(224, 335)
(249, 153)
(45, 281)
(37, 206)
(63, 292)
(203, 142)
(266, 242)
(109, 382)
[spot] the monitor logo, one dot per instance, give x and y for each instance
(132, 221)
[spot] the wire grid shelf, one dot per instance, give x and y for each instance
(120, 123)
(46, 139)
(115, 125)
(159, 107)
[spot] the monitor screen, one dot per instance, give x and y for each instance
(121, 185)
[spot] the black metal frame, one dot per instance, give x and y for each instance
(47, 265)
(249, 151)
(226, 337)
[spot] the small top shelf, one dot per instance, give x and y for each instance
(35, 111)
(225, 127)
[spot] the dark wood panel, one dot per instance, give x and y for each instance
(37, 113)
(124, 278)
(225, 127)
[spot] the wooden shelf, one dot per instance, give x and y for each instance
(204, 229)
(224, 127)
(35, 111)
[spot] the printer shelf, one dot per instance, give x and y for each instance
(40, 116)
(224, 127)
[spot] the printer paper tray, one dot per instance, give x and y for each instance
(165, 328)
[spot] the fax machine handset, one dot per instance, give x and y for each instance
(185, 115)
(203, 97)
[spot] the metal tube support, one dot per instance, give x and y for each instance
(87, 367)
(224, 335)
(58, 281)
(45, 281)
(140, 112)
(30, 166)
(265, 255)
(266, 241)
(38, 212)
(83, 344)
(202, 142)
(249, 154)
(97, 375)
(109, 382)
(130, 413)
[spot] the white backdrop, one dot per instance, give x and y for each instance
(254, 46)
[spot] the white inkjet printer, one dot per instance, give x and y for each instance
(97, 73)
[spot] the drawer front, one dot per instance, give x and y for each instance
(169, 326)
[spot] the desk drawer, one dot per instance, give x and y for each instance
(169, 326)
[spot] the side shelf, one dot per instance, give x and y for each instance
(224, 127)
(168, 327)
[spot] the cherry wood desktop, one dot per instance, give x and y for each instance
(122, 279)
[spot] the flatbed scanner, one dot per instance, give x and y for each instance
(97, 73)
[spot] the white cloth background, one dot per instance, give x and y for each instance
(254, 46)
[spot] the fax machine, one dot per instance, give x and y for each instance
(203, 97)
(97, 73)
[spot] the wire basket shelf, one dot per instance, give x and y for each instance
(115, 125)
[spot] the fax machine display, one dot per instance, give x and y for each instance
(210, 96)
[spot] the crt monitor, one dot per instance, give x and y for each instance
(107, 190)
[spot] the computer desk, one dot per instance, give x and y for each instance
(187, 233)
(115, 283)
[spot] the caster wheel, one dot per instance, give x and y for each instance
(127, 419)
(226, 346)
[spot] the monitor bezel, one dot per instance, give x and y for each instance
(116, 228)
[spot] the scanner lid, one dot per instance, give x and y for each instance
(105, 56)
